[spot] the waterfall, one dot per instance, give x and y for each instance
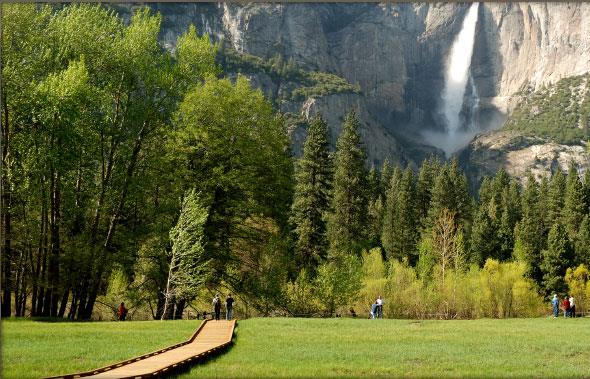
(458, 77)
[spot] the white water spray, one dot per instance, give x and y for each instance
(457, 77)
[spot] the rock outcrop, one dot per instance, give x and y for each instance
(396, 53)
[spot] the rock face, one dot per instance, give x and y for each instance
(396, 52)
(517, 153)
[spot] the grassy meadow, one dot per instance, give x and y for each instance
(286, 347)
(34, 349)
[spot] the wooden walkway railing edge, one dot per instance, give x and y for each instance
(148, 355)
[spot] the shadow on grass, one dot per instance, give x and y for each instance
(186, 368)
(39, 318)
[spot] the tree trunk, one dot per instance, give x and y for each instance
(98, 279)
(5, 212)
(64, 302)
(53, 275)
(179, 309)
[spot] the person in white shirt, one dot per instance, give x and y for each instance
(379, 303)
(572, 307)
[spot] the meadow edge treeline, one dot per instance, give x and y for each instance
(135, 173)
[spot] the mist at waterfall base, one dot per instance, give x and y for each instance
(459, 112)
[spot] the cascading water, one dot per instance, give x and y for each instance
(457, 76)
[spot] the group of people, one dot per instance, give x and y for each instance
(229, 307)
(568, 306)
(377, 308)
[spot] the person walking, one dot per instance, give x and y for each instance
(555, 303)
(229, 307)
(566, 306)
(379, 303)
(217, 306)
(572, 307)
(374, 309)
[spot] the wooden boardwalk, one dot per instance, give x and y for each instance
(209, 337)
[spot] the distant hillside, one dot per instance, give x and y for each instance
(559, 112)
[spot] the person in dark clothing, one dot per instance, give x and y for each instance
(217, 306)
(229, 307)
(121, 312)
(566, 307)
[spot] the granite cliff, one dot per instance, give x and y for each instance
(395, 53)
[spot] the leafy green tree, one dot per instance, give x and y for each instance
(556, 260)
(230, 143)
(346, 224)
(311, 201)
(189, 263)
(338, 282)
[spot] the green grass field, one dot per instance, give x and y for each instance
(281, 347)
(32, 349)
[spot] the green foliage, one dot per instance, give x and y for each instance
(559, 112)
(578, 283)
(189, 263)
(336, 284)
(573, 209)
(556, 260)
(320, 84)
(231, 144)
(311, 199)
(400, 225)
(307, 83)
(346, 223)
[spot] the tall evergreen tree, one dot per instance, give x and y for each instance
(543, 195)
(427, 175)
(347, 223)
(573, 211)
(311, 200)
(400, 233)
(530, 230)
(385, 177)
(556, 260)
(484, 241)
(582, 243)
(556, 194)
(586, 191)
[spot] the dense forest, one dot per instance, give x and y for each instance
(133, 173)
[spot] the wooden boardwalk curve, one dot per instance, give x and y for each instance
(211, 336)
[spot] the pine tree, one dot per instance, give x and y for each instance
(556, 260)
(373, 184)
(347, 223)
(386, 173)
(390, 211)
(483, 241)
(401, 235)
(312, 197)
(573, 212)
(543, 196)
(556, 197)
(586, 191)
(426, 177)
(530, 229)
(582, 243)
(375, 208)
